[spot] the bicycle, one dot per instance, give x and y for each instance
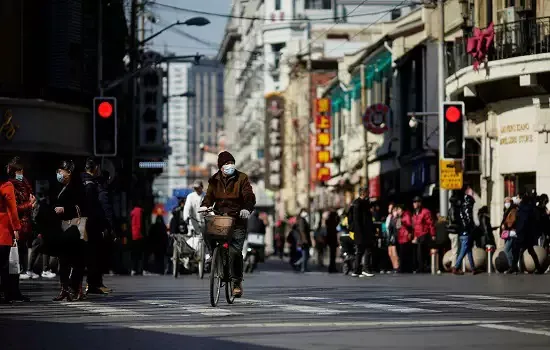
(179, 253)
(218, 230)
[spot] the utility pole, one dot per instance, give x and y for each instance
(365, 132)
(443, 194)
(133, 90)
(310, 118)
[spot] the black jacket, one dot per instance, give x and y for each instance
(255, 224)
(305, 232)
(100, 211)
(70, 197)
(486, 229)
(362, 224)
(332, 232)
(467, 216)
(526, 222)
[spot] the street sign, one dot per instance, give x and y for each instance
(450, 174)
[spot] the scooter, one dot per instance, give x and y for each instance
(253, 251)
(347, 252)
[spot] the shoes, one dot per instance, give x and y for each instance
(64, 294)
(24, 276)
(457, 272)
(48, 274)
(22, 298)
(101, 290)
(78, 295)
(238, 290)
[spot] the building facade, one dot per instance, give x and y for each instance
(506, 99)
(204, 112)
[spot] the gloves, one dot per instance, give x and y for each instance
(201, 209)
(244, 214)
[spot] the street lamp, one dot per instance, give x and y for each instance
(195, 21)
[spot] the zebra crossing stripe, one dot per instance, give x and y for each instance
(103, 310)
(501, 299)
(370, 306)
(465, 305)
(516, 329)
(191, 308)
(292, 308)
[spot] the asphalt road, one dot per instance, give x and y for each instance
(285, 310)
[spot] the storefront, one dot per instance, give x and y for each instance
(42, 134)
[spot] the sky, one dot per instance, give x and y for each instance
(178, 43)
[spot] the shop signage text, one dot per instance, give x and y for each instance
(8, 128)
(323, 125)
(275, 108)
(450, 174)
(515, 139)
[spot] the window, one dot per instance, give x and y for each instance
(318, 4)
(472, 156)
(277, 5)
(520, 182)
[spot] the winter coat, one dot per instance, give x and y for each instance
(230, 194)
(23, 191)
(467, 216)
(526, 227)
(69, 198)
(332, 232)
(423, 223)
(255, 224)
(9, 219)
(486, 229)
(305, 232)
(100, 211)
(404, 228)
(362, 224)
(136, 216)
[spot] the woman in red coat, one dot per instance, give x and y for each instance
(24, 199)
(9, 231)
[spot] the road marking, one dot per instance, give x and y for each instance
(280, 273)
(464, 304)
(372, 306)
(350, 324)
(507, 300)
(194, 309)
(516, 329)
(103, 310)
(540, 295)
(292, 308)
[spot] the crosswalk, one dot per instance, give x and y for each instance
(290, 306)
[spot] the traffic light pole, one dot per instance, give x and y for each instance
(443, 194)
(100, 48)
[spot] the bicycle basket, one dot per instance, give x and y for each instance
(218, 226)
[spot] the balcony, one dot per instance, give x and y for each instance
(519, 48)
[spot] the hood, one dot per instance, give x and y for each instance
(87, 177)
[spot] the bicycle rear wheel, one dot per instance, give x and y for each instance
(216, 272)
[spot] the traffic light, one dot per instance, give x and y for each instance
(453, 130)
(105, 127)
(150, 108)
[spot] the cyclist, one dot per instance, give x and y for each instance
(232, 193)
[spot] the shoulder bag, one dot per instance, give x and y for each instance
(79, 222)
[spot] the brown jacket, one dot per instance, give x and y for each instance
(230, 194)
(510, 219)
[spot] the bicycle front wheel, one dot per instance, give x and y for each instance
(175, 259)
(202, 259)
(229, 297)
(216, 274)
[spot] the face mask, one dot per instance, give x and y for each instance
(515, 200)
(506, 205)
(303, 214)
(60, 177)
(228, 169)
(19, 177)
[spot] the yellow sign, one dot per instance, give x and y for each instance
(8, 127)
(323, 156)
(323, 139)
(450, 174)
(323, 105)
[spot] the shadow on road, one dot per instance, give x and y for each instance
(50, 335)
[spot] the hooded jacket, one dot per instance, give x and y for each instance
(467, 216)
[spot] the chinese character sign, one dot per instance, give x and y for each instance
(323, 157)
(323, 106)
(323, 139)
(323, 174)
(274, 141)
(322, 122)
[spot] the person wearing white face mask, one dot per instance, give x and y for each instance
(507, 230)
(231, 192)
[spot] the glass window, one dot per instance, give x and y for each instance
(318, 4)
(277, 5)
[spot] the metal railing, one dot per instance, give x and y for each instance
(525, 37)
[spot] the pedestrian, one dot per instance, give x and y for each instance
(526, 230)
(391, 237)
(467, 230)
(24, 199)
(305, 242)
(424, 233)
(543, 219)
(9, 233)
(177, 224)
(137, 244)
(157, 242)
(190, 210)
(405, 236)
(485, 228)
(508, 231)
(442, 241)
(332, 223)
(360, 222)
(70, 207)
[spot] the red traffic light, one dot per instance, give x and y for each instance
(105, 109)
(452, 114)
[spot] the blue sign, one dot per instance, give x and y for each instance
(170, 204)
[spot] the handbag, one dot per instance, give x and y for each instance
(505, 234)
(14, 268)
(79, 222)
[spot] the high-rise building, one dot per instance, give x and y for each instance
(175, 113)
(205, 112)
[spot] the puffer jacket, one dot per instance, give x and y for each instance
(404, 228)
(467, 216)
(423, 223)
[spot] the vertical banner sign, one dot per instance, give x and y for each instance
(323, 140)
(274, 140)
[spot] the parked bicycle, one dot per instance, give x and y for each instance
(182, 251)
(218, 231)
